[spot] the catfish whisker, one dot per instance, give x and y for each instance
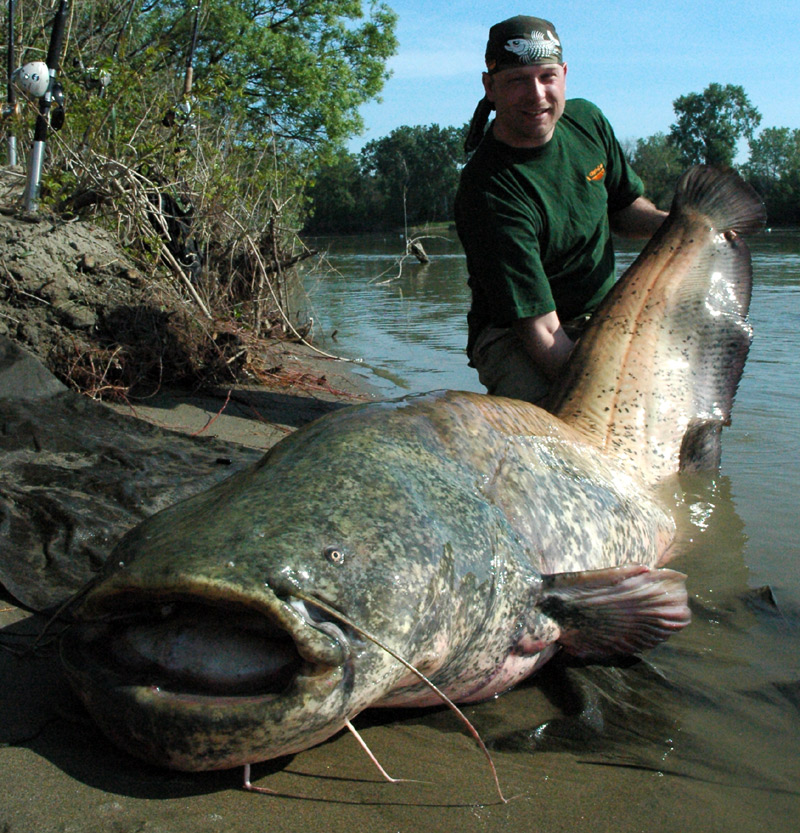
(252, 787)
(60, 611)
(363, 744)
(39, 638)
(432, 686)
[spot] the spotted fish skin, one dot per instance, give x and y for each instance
(471, 535)
(653, 380)
(446, 508)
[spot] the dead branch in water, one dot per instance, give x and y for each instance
(413, 249)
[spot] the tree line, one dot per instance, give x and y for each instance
(407, 178)
(410, 176)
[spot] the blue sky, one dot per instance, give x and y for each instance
(632, 58)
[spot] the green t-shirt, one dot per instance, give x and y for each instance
(534, 221)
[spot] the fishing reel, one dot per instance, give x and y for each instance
(57, 113)
(94, 79)
(34, 80)
(180, 115)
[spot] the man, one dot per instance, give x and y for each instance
(534, 211)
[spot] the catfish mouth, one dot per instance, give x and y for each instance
(191, 648)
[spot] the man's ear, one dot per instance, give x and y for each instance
(488, 85)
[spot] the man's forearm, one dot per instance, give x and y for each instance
(546, 342)
(640, 219)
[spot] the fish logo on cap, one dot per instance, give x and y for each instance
(522, 41)
(536, 47)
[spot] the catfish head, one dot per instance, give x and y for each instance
(201, 647)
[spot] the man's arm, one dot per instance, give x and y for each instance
(546, 342)
(543, 336)
(640, 219)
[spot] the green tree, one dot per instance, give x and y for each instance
(277, 70)
(416, 169)
(302, 68)
(277, 86)
(342, 199)
(774, 171)
(658, 163)
(406, 178)
(709, 124)
(774, 153)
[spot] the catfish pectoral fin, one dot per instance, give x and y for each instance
(620, 610)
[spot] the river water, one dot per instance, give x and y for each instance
(705, 732)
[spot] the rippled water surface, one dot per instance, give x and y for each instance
(714, 712)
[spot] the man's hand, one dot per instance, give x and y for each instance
(546, 342)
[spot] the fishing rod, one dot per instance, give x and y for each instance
(189, 77)
(183, 110)
(11, 94)
(123, 30)
(45, 102)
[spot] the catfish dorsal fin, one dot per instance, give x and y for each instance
(664, 352)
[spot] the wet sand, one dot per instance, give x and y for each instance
(58, 773)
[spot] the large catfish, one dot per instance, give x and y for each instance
(469, 535)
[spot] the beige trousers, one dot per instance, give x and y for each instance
(505, 368)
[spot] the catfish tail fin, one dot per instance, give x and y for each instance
(654, 376)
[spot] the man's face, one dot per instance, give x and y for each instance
(529, 101)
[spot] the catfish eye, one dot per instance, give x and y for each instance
(334, 555)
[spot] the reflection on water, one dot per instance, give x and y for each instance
(406, 322)
(719, 705)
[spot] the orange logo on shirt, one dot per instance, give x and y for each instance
(598, 174)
